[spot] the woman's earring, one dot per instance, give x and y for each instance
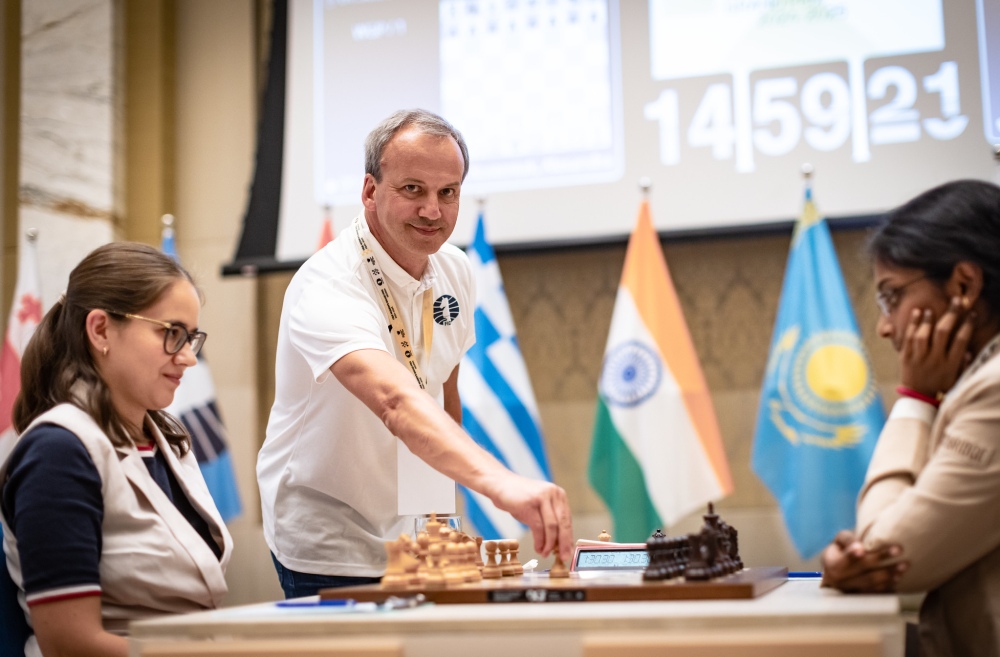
(105, 351)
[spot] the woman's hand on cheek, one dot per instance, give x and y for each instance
(934, 353)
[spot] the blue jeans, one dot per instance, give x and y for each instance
(298, 585)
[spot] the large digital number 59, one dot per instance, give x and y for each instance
(825, 104)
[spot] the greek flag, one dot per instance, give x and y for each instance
(820, 412)
(194, 405)
(498, 404)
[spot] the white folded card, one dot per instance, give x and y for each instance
(420, 488)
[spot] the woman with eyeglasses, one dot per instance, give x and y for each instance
(929, 510)
(106, 517)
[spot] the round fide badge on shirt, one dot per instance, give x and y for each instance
(445, 309)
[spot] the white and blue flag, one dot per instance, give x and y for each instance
(195, 406)
(498, 404)
(820, 411)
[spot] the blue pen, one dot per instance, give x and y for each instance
(315, 603)
(804, 575)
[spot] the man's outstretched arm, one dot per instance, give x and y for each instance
(387, 388)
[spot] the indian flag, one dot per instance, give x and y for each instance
(657, 454)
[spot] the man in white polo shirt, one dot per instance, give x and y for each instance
(327, 469)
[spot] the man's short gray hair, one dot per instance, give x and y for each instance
(424, 121)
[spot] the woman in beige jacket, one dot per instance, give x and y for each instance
(929, 510)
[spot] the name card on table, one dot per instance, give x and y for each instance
(420, 488)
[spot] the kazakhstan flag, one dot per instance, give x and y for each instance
(820, 412)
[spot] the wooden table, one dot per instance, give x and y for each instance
(797, 619)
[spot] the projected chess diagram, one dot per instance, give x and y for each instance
(535, 87)
(448, 567)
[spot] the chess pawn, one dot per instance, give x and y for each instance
(678, 556)
(656, 547)
(440, 533)
(454, 569)
(725, 561)
(558, 569)
(504, 556)
(491, 570)
(479, 553)
(697, 566)
(434, 578)
(734, 547)
(472, 572)
(604, 536)
(459, 564)
(516, 569)
(423, 543)
(433, 527)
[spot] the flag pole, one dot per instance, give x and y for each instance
(645, 183)
(807, 174)
(167, 226)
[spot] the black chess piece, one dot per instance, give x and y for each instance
(698, 566)
(656, 548)
(734, 547)
(708, 557)
(677, 556)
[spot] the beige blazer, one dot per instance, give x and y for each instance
(153, 562)
(933, 487)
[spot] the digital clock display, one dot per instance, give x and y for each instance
(605, 559)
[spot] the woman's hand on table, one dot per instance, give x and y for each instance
(850, 567)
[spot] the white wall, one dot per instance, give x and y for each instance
(215, 126)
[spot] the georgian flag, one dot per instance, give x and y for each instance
(25, 315)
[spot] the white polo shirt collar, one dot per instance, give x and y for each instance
(400, 278)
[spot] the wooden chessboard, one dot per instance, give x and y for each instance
(586, 587)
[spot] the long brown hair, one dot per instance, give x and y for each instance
(123, 276)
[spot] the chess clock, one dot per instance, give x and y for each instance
(599, 555)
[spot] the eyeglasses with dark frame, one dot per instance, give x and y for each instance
(175, 335)
(888, 299)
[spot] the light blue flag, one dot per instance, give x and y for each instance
(820, 412)
(194, 405)
(498, 404)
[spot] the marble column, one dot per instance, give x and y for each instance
(71, 125)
